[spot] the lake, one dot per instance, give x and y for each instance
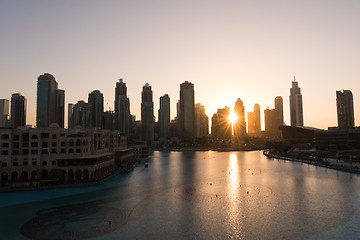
(194, 195)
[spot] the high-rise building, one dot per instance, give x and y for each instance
(296, 107)
(96, 101)
(4, 112)
(220, 125)
(164, 116)
(82, 114)
(274, 118)
(70, 115)
(201, 121)
(239, 125)
(122, 108)
(60, 107)
(254, 120)
(147, 115)
(50, 102)
(109, 120)
(345, 109)
(187, 112)
(18, 110)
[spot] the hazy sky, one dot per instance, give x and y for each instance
(228, 49)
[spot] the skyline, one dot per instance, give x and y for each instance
(234, 50)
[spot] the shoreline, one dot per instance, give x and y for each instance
(326, 163)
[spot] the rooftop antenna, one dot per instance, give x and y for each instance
(294, 78)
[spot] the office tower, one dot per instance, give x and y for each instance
(96, 101)
(147, 115)
(274, 118)
(4, 112)
(254, 120)
(220, 124)
(345, 109)
(164, 116)
(269, 116)
(239, 125)
(279, 109)
(109, 120)
(82, 114)
(201, 121)
(18, 110)
(122, 108)
(70, 115)
(50, 102)
(60, 107)
(187, 112)
(296, 108)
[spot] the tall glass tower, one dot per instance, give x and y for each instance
(296, 107)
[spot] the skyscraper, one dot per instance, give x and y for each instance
(187, 112)
(201, 121)
(4, 112)
(296, 107)
(164, 116)
(96, 101)
(70, 115)
(122, 108)
(345, 109)
(279, 109)
(18, 110)
(147, 115)
(254, 120)
(50, 102)
(274, 118)
(220, 124)
(239, 125)
(82, 114)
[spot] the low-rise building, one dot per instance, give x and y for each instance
(57, 155)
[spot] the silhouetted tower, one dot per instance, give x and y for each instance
(164, 116)
(96, 101)
(122, 108)
(254, 120)
(18, 110)
(147, 115)
(50, 105)
(187, 112)
(296, 107)
(345, 109)
(239, 125)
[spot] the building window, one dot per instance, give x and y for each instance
(34, 137)
(25, 151)
(15, 152)
(25, 163)
(44, 135)
(53, 150)
(63, 150)
(25, 144)
(4, 152)
(4, 136)
(25, 137)
(34, 151)
(33, 163)
(62, 144)
(53, 144)
(5, 145)
(15, 164)
(4, 164)
(54, 136)
(34, 144)
(45, 144)
(16, 137)
(15, 145)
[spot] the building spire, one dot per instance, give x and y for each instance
(294, 78)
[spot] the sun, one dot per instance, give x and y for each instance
(232, 117)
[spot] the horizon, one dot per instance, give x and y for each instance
(234, 50)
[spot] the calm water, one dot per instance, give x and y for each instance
(195, 195)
